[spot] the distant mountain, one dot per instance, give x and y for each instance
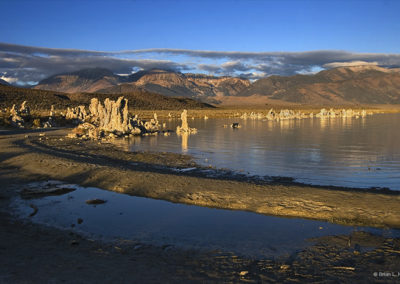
(86, 80)
(344, 85)
(4, 83)
(164, 82)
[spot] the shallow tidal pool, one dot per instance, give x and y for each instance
(158, 222)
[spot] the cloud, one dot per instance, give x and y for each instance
(9, 79)
(32, 64)
(349, 64)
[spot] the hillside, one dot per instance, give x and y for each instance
(164, 82)
(86, 80)
(42, 100)
(4, 83)
(345, 85)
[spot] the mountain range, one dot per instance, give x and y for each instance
(344, 85)
(165, 82)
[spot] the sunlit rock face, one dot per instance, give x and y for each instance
(113, 116)
(15, 117)
(24, 109)
(110, 119)
(77, 114)
(184, 128)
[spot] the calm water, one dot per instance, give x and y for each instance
(363, 152)
(164, 223)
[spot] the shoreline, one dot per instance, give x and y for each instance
(154, 175)
(232, 111)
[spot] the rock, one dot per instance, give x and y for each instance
(271, 115)
(184, 128)
(24, 109)
(153, 125)
(363, 113)
(95, 201)
(113, 120)
(35, 210)
(51, 120)
(76, 114)
(15, 118)
(235, 125)
(323, 113)
(72, 135)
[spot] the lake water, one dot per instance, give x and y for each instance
(158, 222)
(354, 152)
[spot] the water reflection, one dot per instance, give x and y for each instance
(184, 137)
(165, 223)
(361, 152)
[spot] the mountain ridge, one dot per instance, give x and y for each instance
(368, 84)
(165, 82)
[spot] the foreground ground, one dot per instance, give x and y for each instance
(33, 253)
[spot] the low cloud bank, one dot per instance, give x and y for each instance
(28, 64)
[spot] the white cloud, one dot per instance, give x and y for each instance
(9, 79)
(349, 64)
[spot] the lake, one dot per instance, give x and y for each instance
(353, 152)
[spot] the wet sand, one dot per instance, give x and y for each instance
(53, 255)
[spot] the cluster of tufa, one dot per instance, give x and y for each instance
(341, 113)
(17, 115)
(110, 119)
(291, 114)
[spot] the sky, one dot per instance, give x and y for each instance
(251, 39)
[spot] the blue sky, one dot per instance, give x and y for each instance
(357, 27)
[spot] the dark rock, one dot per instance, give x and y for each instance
(95, 201)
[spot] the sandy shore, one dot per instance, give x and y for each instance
(36, 254)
